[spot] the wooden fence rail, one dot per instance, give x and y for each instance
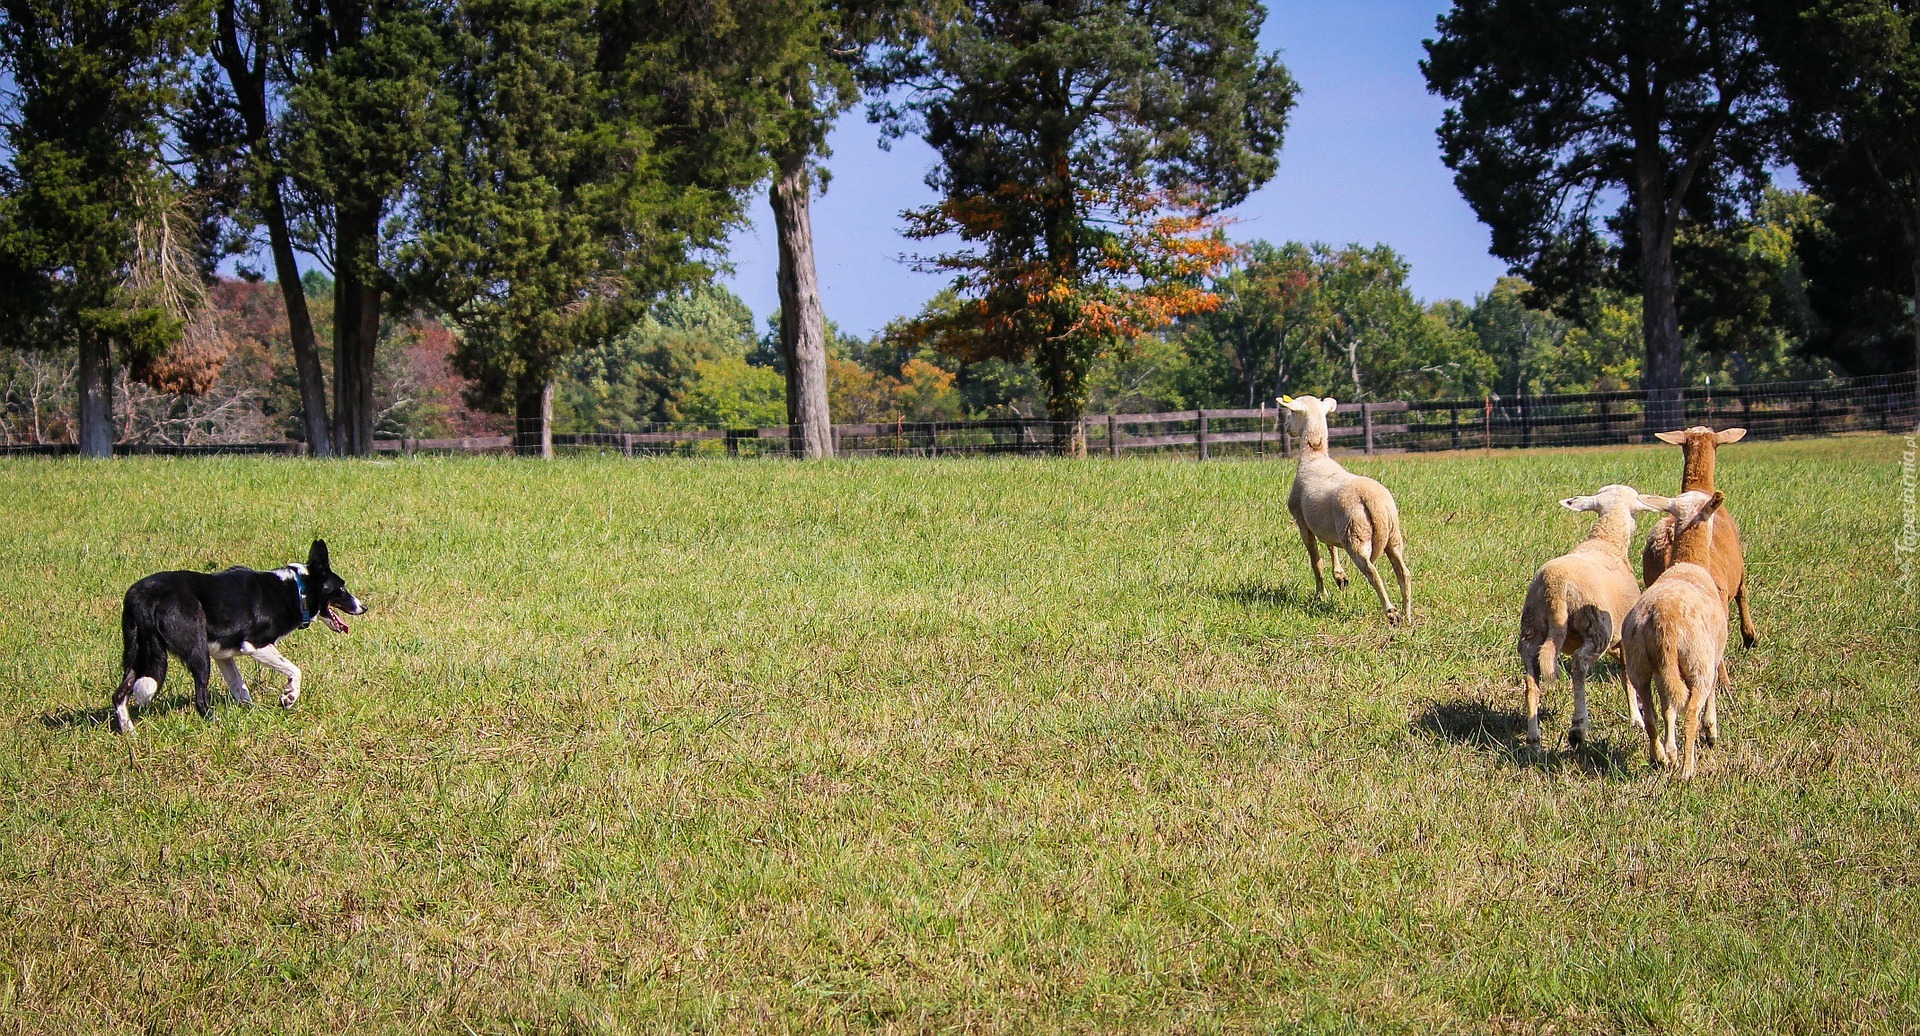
(1884, 403)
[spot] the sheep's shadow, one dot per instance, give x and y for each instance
(1502, 733)
(1274, 595)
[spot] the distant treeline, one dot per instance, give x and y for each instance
(518, 201)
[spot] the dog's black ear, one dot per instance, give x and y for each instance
(317, 556)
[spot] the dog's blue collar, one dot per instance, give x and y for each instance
(300, 594)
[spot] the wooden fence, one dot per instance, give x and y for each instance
(1885, 403)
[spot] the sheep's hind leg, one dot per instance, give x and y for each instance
(1313, 559)
(1633, 699)
(1577, 669)
(1368, 569)
(1397, 555)
(1533, 666)
(1713, 707)
(1339, 570)
(1748, 635)
(1698, 700)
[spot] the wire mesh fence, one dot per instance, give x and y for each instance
(1885, 403)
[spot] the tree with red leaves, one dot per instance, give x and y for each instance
(1085, 148)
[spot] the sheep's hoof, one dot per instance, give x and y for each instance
(1533, 741)
(1751, 640)
(1576, 737)
(1340, 581)
(1393, 616)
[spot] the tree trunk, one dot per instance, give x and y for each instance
(1659, 315)
(1066, 380)
(533, 419)
(356, 329)
(1660, 323)
(803, 327)
(246, 70)
(96, 396)
(306, 345)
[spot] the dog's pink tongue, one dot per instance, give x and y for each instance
(333, 621)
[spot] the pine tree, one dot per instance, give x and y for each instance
(92, 80)
(1082, 146)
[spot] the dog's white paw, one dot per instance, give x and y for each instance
(143, 690)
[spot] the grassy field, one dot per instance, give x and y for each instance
(940, 746)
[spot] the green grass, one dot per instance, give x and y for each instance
(961, 745)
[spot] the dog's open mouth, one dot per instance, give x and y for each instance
(334, 622)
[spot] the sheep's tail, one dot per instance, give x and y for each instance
(1383, 524)
(1542, 662)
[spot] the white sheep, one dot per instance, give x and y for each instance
(1576, 604)
(1675, 636)
(1332, 505)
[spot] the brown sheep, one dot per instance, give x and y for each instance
(1576, 603)
(1332, 505)
(1675, 637)
(1727, 564)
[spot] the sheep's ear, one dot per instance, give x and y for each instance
(1328, 404)
(1676, 438)
(1656, 503)
(1578, 503)
(1730, 435)
(1640, 504)
(1289, 403)
(1713, 505)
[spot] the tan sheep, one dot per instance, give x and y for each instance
(1576, 604)
(1728, 564)
(1674, 639)
(1332, 505)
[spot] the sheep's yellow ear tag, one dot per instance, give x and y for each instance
(1286, 401)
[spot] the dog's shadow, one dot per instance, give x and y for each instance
(70, 719)
(1501, 733)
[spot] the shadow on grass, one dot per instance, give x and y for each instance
(1476, 723)
(1284, 595)
(68, 719)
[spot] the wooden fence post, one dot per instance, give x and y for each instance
(1366, 419)
(1113, 439)
(1455, 411)
(1203, 433)
(1526, 422)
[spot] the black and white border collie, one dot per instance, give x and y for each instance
(202, 616)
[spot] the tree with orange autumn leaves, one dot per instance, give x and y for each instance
(1086, 148)
(1138, 263)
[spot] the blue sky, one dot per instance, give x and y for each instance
(1360, 164)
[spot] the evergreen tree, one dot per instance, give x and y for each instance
(601, 148)
(1669, 107)
(1067, 134)
(253, 47)
(1852, 71)
(364, 105)
(92, 81)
